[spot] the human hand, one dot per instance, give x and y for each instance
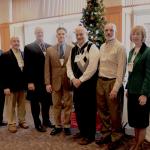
(49, 88)
(7, 91)
(76, 82)
(113, 94)
(142, 100)
(31, 86)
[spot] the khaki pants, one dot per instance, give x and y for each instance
(109, 110)
(15, 98)
(57, 98)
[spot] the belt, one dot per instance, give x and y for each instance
(106, 79)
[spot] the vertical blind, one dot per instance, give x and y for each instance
(37, 9)
(135, 2)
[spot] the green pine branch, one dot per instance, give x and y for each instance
(93, 20)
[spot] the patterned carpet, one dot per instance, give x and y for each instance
(30, 139)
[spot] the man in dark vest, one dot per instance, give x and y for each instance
(81, 69)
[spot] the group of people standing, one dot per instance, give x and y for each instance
(83, 76)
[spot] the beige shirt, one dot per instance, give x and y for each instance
(19, 58)
(113, 61)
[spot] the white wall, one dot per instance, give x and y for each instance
(25, 30)
(50, 26)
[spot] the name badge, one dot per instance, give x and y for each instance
(77, 58)
(130, 67)
(61, 61)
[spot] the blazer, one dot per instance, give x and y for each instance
(34, 61)
(12, 75)
(1, 78)
(55, 74)
(139, 78)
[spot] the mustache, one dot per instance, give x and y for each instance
(108, 34)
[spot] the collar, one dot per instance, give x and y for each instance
(15, 50)
(143, 47)
(82, 44)
(110, 42)
(39, 42)
(63, 44)
(81, 49)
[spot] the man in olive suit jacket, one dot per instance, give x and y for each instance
(57, 82)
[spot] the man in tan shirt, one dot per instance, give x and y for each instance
(111, 74)
(57, 82)
(14, 85)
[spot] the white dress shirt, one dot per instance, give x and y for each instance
(19, 58)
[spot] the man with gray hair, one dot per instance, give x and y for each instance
(34, 60)
(112, 68)
(14, 85)
(81, 69)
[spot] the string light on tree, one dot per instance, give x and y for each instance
(93, 20)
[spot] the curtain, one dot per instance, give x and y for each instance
(23, 10)
(135, 2)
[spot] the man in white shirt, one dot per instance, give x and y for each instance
(81, 69)
(111, 74)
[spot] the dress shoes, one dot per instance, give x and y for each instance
(12, 128)
(67, 131)
(3, 124)
(77, 136)
(24, 125)
(85, 141)
(56, 131)
(48, 125)
(41, 128)
(104, 140)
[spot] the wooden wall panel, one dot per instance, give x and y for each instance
(5, 36)
(114, 15)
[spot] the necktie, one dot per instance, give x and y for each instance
(61, 51)
(42, 47)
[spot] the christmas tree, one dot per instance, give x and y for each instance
(93, 20)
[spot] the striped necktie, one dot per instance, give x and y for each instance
(42, 47)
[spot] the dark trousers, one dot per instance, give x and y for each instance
(40, 101)
(84, 99)
(2, 101)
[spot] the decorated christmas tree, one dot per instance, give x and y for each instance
(93, 20)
